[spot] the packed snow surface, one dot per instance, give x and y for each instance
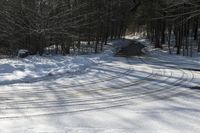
(156, 93)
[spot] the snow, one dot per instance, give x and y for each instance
(120, 43)
(100, 93)
(22, 51)
(37, 67)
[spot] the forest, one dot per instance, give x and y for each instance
(65, 24)
(174, 23)
(88, 24)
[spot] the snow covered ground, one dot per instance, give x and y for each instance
(36, 68)
(157, 93)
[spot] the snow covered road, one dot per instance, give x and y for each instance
(136, 94)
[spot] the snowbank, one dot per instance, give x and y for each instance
(180, 61)
(119, 44)
(34, 68)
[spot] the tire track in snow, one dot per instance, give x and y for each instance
(119, 100)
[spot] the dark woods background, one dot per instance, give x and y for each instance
(86, 25)
(65, 24)
(169, 23)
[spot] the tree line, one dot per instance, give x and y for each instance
(66, 24)
(172, 22)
